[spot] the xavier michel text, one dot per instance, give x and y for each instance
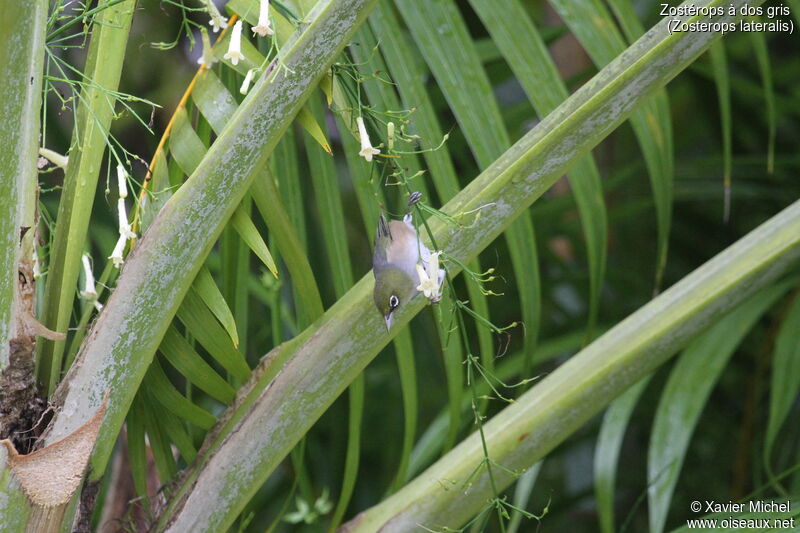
(753, 506)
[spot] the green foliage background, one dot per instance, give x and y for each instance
(740, 98)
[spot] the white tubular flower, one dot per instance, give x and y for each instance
(429, 278)
(367, 150)
(246, 83)
(89, 291)
(57, 159)
(124, 228)
(116, 255)
(122, 182)
(207, 58)
(217, 21)
(263, 28)
(234, 53)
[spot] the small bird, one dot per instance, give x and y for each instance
(398, 251)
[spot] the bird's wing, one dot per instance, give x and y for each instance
(383, 239)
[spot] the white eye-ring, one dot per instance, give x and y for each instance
(394, 302)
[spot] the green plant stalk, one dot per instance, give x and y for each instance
(607, 450)
(329, 204)
(159, 271)
(15, 510)
(306, 374)
(94, 116)
(719, 66)
(543, 417)
(21, 58)
(759, 43)
(270, 204)
(22, 32)
(352, 454)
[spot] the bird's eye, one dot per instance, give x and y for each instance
(394, 302)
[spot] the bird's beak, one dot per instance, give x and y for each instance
(388, 318)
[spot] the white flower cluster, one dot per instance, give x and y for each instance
(430, 282)
(234, 53)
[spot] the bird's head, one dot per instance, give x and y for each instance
(393, 288)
